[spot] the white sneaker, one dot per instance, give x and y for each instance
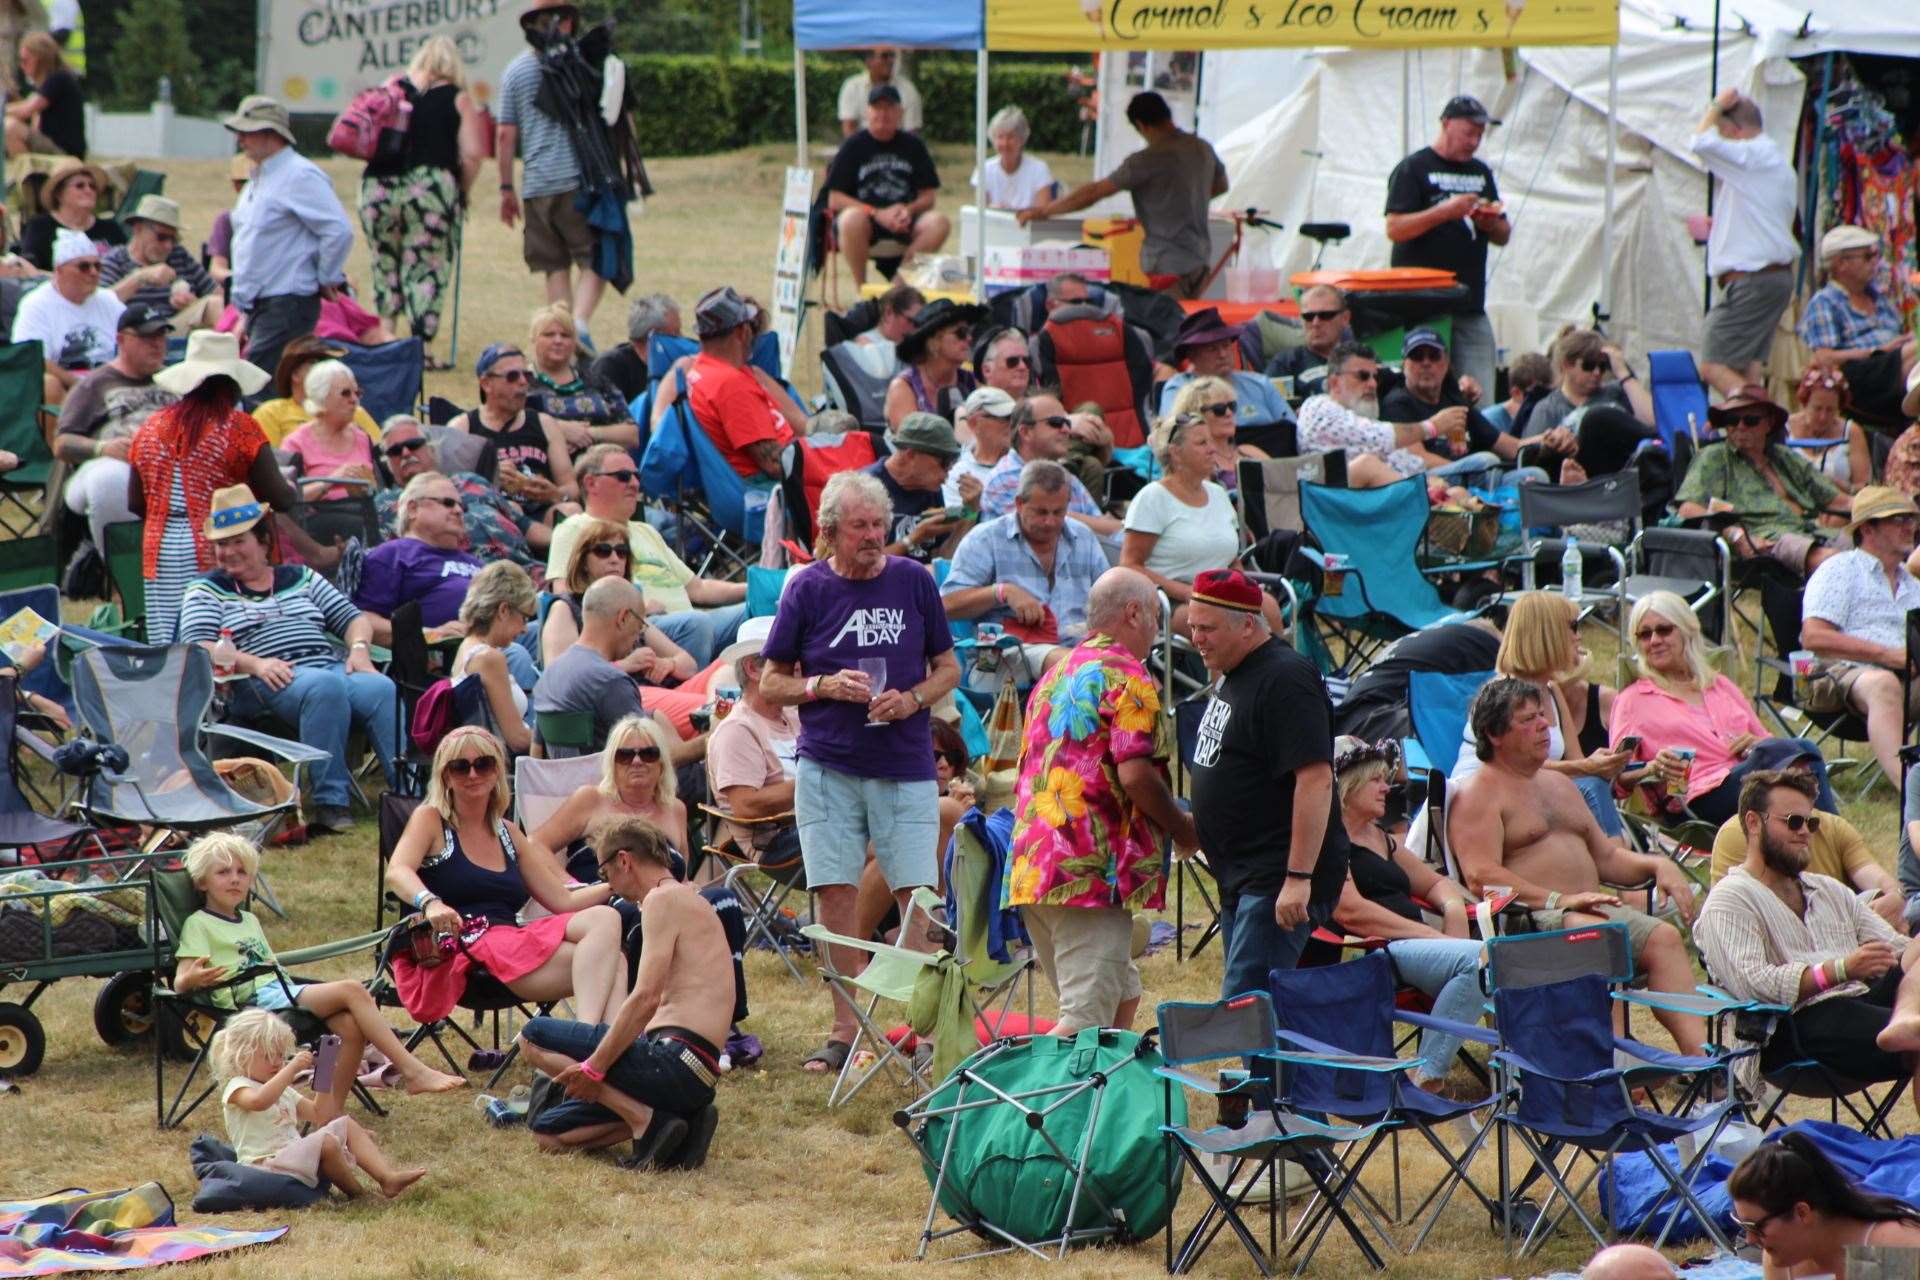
(1290, 1177)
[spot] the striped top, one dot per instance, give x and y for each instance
(294, 620)
(1757, 948)
(546, 150)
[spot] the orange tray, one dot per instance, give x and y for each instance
(1383, 280)
(1241, 312)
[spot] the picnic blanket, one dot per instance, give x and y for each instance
(76, 1230)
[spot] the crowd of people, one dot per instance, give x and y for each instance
(827, 729)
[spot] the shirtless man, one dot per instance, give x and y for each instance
(655, 1088)
(1516, 823)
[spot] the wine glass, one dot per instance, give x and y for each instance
(875, 670)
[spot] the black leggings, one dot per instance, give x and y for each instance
(1839, 1034)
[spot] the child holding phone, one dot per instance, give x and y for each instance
(254, 1053)
(221, 940)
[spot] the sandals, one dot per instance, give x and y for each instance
(434, 364)
(832, 1056)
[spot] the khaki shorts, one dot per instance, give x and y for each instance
(557, 235)
(1830, 689)
(1640, 925)
(1087, 954)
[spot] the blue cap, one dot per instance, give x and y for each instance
(494, 353)
(1417, 338)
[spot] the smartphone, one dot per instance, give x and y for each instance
(1630, 744)
(326, 1055)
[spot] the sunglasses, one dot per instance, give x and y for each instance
(1425, 355)
(963, 332)
(478, 766)
(646, 755)
(1595, 366)
(166, 237)
(511, 375)
(1798, 822)
(398, 447)
(1059, 422)
(1662, 630)
(1320, 315)
(1751, 420)
(451, 504)
(621, 477)
(1015, 361)
(610, 549)
(1225, 409)
(91, 268)
(1364, 375)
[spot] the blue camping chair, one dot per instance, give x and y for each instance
(1243, 1027)
(1384, 595)
(720, 516)
(389, 374)
(1679, 399)
(1438, 702)
(1345, 1013)
(1559, 1050)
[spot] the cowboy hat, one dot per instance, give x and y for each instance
(211, 355)
(70, 167)
(1878, 502)
(1748, 397)
(748, 640)
(1202, 329)
(231, 512)
(941, 313)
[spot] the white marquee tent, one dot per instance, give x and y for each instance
(1549, 156)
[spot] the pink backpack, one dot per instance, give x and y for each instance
(374, 125)
(432, 717)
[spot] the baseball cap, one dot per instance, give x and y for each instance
(144, 319)
(1418, 338)
(721, 311)
(990, 401)
(883, 93)
(1466, 107)
(494, 354)
(928, 433)
(1843, 238)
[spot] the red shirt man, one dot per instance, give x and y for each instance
(728, 397)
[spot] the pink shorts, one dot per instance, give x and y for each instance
(509, 952)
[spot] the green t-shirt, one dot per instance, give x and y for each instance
(234, 945)
(1721, 471)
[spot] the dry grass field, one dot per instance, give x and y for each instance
(790, 1189)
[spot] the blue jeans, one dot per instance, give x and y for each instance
(1447, 969)
(323, 703)
(1598, 793)
(1254, 942)
(1723, 801)
(703, 632)
(1473, 348)
(1473, 470)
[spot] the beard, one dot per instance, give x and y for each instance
(1782, 858)
(1367, 406)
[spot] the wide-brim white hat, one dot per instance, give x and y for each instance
(209, 355)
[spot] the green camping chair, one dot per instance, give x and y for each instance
(145, 182)
(992, 984)
(569, 730)
(32, 561)
(891, 974)
(22, 489)
(185, 1023)
(126, 577)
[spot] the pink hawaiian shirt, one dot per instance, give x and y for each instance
(1078, 841)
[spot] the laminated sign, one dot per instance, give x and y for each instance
(1077, 25)
(319, 53)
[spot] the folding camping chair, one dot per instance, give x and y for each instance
(390, 375)
(852, 386)
(23, 488)
(973, 903)
(720, 517)
(1437, 703)
(1349, 1010)
(1243, 1027)
(1606, 499)
(126, 577)
(1187, 715)
(1679, 402)
(777, 864)
(1780, 606)
(1382, 595)
(1559, 1052)
(540, 787)
(891, 974)
(1270, 488)
(22, 826)
(185, 1022)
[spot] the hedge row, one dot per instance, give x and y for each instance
(694, 104)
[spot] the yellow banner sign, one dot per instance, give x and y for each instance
(1073, 25)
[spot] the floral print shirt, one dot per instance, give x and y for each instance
(496, 525)
(1078, 841)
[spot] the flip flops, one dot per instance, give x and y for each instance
(832, 1055)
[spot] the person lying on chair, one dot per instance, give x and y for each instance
(647, 1076)
(1519, 825)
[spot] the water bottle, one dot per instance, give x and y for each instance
(225, 654)
(1571, 570)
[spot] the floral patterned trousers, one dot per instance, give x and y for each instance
(411, 221)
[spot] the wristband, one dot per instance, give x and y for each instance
(1820, 982)
(813, 688)
(592, 1072)
(1298, 875)
(1840, 970)
(1428, 430)
(1553, 900)
(422, 898)
(506, 186)
(999, 593)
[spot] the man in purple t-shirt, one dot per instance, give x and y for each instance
(424, 563)
(865, 773)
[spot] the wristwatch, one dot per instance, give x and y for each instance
(1298, 875)
(918, 701)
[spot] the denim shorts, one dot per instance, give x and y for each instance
(651, 1071)
(840, 813)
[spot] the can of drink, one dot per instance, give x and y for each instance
(1677, 786)
(1335, 573)
(722, 704)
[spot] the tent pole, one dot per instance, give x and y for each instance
(1713, 91)
(799, 107)
(1406, 92)
(980, 168)
(1606, 217)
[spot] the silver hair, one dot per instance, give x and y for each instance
(322, 377)
(502, 582)
(1042, 475)
(410, 497)
(647, 314)
(594, 461)
(1056, 284)
(401, 420)
(1011, 121)
(846, 489)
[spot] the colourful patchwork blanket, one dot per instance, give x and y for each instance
(77, 1230)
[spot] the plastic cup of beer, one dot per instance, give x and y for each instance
(1457, 432)
(1335, 573)
(1677, 784)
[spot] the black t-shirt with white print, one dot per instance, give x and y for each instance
(1425, 179)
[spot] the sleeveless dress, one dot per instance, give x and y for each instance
(506, 949)
(459, 672)
(948, 399)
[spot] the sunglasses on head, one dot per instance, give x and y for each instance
(1660, 629)
(1225, 409)
(1592, 365)
(646, 755)
(1320, 315)
(510, 375)
(478, 766)
(1797, 822)
(611, 549)
(620, 477)
(394, 448)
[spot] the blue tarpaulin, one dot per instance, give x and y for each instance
(857, 24)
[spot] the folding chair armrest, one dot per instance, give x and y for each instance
(33, 742)
(198, 995)
(820, 933)
(1736, 1005)
(1508, 1058)
(292, 752)
(332, 950)
(1201, 1084)
(1700, 1005)
(763, 820)
(1321, 1054)
(1466, 1031)
(1679, 1062)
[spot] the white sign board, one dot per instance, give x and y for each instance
(790, 263)
(321, 52)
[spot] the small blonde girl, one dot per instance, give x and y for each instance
(254, 1054)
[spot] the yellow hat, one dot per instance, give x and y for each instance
(1878, 502)
(232, 512)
